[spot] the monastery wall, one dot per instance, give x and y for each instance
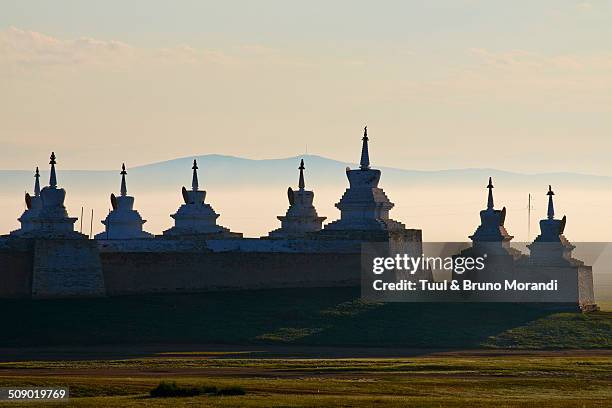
(166, 265)
(65, 268)
(586, 295)
(147, 272)
(15, 273)
(231, 245)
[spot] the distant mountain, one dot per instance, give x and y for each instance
(233, 172)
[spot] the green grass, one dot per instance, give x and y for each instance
(445, 381)
(318, 317)
(560, 330)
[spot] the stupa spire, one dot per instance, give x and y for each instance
(123, 222)
(46, 215)
(551, 206)
(194, 180)
(301, 183)
(196, 217)
(491, 228)
(490, 204)
(52, 176)
(37, 183)
(364, 164)
(123, 185)
(301, 217)
(364, 206)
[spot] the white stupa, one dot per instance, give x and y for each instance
(551, 245)
(195, 217)
(364, 206)
(33, 206)
(49, 218)
(123, 222)
(491, 228)
(301, 217)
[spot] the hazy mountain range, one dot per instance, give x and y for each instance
(235, 172)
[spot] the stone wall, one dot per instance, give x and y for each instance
(162, 265)
(75, 267)
(134, 273)
(586, 295)
(15, 273)
(66, 268)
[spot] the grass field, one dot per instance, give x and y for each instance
(314, 317)
(442, 380)
(306, 348)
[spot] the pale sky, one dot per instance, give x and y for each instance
(514, 85)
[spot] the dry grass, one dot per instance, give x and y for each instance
(505, 381)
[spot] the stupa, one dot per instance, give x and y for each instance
(301, 217)
(364, 206)
(49, 218)
(490, 240)
(551, 245)
(33, 206)
(551, 258)
(491, 228)
(123, 222)
(195, 217)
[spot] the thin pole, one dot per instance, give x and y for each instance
(529, 218)
(91, 225)
(81, 220)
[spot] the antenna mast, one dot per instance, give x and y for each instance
(91, 224)
(529, 208)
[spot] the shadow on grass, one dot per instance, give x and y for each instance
(317, 317)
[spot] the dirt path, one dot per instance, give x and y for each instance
(118, 352)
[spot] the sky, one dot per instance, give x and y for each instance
(522, 86)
